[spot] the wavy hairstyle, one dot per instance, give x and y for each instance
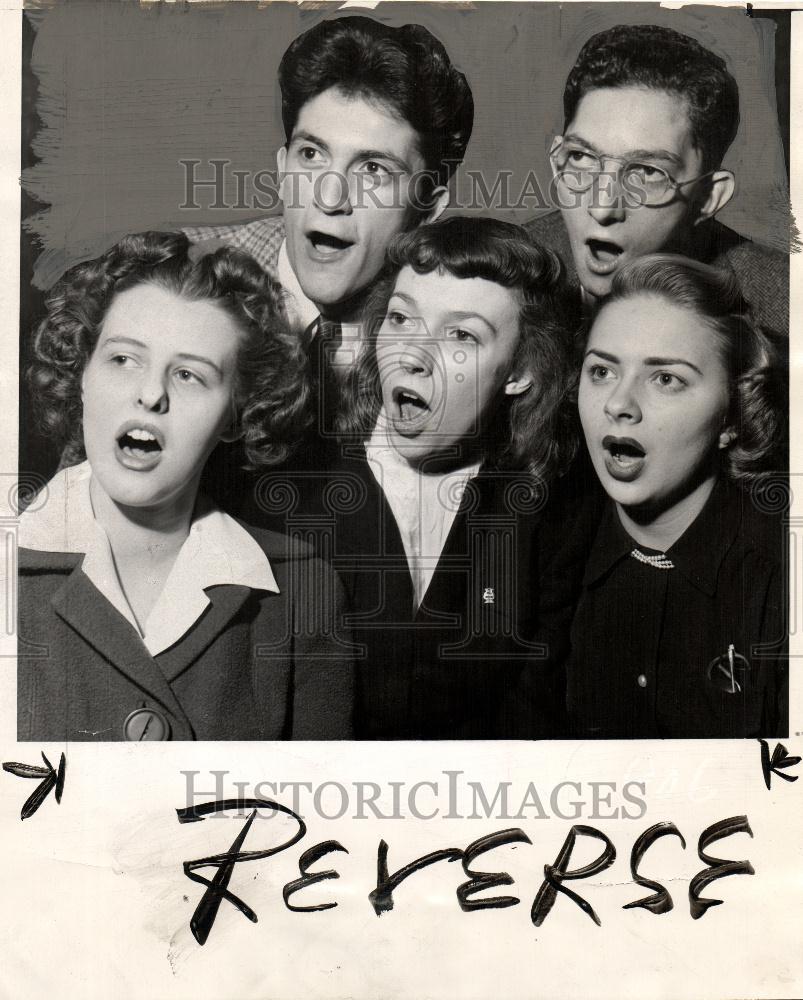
(271, 390)
(534, 431)
(757, 382)
(652, 56)
(407, 69)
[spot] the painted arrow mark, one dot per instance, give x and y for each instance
(50, 780)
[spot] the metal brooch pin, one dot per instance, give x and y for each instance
(723, 670)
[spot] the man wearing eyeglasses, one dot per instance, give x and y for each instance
(648, 116)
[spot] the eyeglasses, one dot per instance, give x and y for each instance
(644, 183)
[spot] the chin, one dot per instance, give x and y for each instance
(626, 494)
(324, 292)
(594, 284)
(142, 499)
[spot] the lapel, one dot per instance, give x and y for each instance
(487, 559)
(454, 577)
(369, 550)
(81, 605)
(226, 601)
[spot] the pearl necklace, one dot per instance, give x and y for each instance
(659, 561)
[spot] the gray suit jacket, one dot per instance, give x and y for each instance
(255, 666)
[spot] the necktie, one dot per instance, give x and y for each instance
(323, 337)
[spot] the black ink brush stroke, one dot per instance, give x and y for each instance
(772, 765)
(217, 888)
(51, 779)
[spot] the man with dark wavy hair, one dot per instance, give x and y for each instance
(376, 121)
(649, 114)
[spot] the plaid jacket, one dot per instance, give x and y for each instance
(762, 273)
(261, 238)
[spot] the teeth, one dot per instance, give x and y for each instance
(141, 435)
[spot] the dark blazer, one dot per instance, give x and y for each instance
(762, 273)
(479, 658)
(645, 641)
(256, 665)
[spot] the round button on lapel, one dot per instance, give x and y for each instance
(146, 724)
(641, 680)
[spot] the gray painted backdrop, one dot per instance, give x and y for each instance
(126, 92)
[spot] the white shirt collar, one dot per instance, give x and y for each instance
(217, 551)
(299, 308)
(424, 506)
(303, 311)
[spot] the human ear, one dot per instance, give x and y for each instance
(726, 438)
(231, 433)
(281, 165)
(438, 204)
(515, 386)
(721, 186)
(558, 139)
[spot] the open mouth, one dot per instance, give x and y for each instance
(409, 406)
(139, 443)
(624, 457)
(327, 245)
(603, 255)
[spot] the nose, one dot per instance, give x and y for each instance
(415, 359)
(152, 393)
(333, 194)
(607, 203)
(622, 404)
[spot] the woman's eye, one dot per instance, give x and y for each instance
(121, 360)
(188, 377)
(396, 318)
(668, 380)
(461, 335)
(599, 373)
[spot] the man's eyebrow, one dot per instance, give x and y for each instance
(360, 154)
(658, 362)
(631, 154)
(384, 154)
(309, 137)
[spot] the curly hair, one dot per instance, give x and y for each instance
(755, 374)
(271, 390)
(406, 68)
(534, 431)
(648, 55)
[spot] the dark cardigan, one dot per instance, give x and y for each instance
(480, 658)
(645, 641)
